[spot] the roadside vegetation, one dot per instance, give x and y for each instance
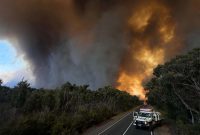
(175, 89)
(67, 110)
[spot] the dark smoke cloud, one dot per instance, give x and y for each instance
(84, 41)
(187, 17)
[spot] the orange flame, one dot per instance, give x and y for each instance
(132, 83)
(142, 52)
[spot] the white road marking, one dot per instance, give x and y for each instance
(114, 124)
(128, 128)
(151, 132)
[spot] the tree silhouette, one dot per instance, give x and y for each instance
(1, 82)
(176, 85)
(21, 93)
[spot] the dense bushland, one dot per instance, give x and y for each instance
(67, 110)
(175, 89)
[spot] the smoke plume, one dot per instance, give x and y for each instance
(99, 42)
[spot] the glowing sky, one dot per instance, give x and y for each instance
(12, 66)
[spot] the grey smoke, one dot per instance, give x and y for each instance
(82, 41)
(95, 64)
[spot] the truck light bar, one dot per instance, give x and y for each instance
(146, 110)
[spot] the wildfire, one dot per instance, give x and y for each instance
(139, 23)
(145, 54)
(131, 84)
(148, 60)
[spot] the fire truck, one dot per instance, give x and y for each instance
(146, 117)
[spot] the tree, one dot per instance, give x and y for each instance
(176, 85)
(23, 84)
(22, 91)
(66, 110)
(1, 82)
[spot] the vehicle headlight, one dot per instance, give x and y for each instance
(145, 122)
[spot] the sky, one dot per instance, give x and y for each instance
(12, 66)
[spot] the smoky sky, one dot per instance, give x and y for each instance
(88, 41)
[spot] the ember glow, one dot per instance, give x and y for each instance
(99, 42)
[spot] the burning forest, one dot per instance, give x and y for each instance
(99, 42)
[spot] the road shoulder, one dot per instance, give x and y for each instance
(95, 130)
(167, 128)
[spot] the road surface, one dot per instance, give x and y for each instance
(124, 127)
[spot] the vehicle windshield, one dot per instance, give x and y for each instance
(144, 114)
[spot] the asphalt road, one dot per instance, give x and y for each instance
(124, 127)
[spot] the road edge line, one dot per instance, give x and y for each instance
(128, 128)
(151, 132)
(114, 124)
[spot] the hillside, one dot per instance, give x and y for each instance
(69, 109)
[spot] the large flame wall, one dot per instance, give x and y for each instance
(153, 30)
